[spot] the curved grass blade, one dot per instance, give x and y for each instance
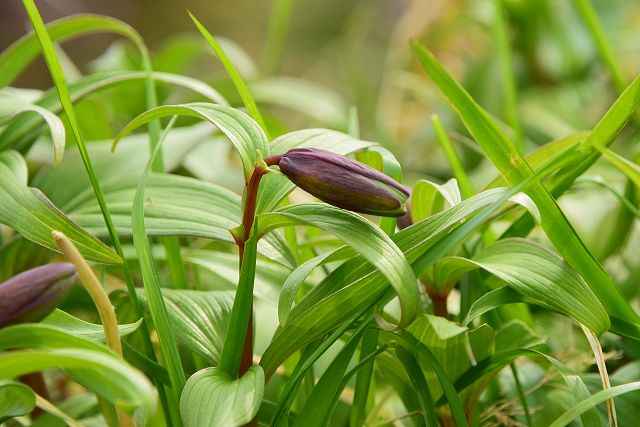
(247, 137)
(515, 169)
(56, 127)
(106, 374)
(238, 82)
(26, 127)
(21, 53)
(157, 305)
(594, 400)
(32, 215)
(365, 238)
(537, 273)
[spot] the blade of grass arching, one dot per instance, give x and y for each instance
(605, 51)
(593, 401)
(450, 393)
(515, 169)
(602, 135)
(57, 76)
(21, 53)
(279, 19)
(157, 307)
(596, 348)
(508, 78)
(240, 85)
(414, 372)
(454, 161)
(630, 169)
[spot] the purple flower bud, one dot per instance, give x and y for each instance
(342, 182)
(32, 294)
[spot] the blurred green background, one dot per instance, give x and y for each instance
(360, 51)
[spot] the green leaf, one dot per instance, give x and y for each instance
(40, 335)
(238, 82)
(16, 400)
(27, 127)
(515, 170)
(539, 274)
(246, 136)
(356, 285)
(428, 198)
(199, 319)
(174, 206)
(449, 391)
(104, 374)
(32, 215)
(79, 328)
(594, 400)
(319, 407)
(211, 398)
(56, 127)
(414, 372)
(157, 307)
(21, 53)
(365, 238)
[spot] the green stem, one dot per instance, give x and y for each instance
(521, 394)
(237, 352)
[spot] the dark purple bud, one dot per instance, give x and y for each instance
(342, 182)
(32, 294)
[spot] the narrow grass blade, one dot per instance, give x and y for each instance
(157, 305)
(515, 169)
(593, 401)
(238, 82)
(21, 53)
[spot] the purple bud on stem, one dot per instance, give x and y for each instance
(342, 182)
(32, 294)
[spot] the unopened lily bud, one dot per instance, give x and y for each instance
(32, 294)
(342, 182)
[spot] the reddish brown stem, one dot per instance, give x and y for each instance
(248, 217)
(439, 304)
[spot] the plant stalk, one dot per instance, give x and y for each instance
(242, 310)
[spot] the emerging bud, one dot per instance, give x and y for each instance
(32, 294)
(342, 182)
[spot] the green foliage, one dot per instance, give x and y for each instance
(242, 300)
